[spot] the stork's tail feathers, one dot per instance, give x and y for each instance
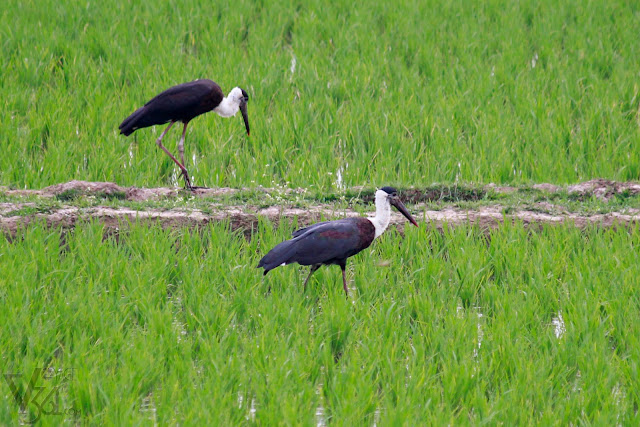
(281, 254)
(133, 122)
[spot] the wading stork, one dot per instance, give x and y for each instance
(182, 103)
(332, 242)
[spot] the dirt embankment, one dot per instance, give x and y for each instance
(14, 215)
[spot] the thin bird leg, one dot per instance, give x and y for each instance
(313, 269)
(343, 266)
(181, 143)
(182, 168)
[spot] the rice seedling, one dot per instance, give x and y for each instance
(340, 95)
(452, 326)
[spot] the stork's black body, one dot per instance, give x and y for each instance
(325, 243)
(181, 103)
(332, 242)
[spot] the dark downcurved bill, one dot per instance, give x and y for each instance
(243, 110)
(398, 204)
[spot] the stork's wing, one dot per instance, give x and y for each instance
(186, 100)
(328, 241)
(301, 231)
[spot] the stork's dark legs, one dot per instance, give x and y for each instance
(181, 143)
(185, 174)
(313, 269)
(343, 267)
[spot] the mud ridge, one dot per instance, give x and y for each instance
(15, 216)
(600, 188)
(246, 218)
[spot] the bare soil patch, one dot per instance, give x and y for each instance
(14, 216)
(600, 188)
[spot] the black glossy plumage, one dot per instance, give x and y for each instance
(182, 103)
(324, 243)
(389, 190)
(332, 242)
(179, 103)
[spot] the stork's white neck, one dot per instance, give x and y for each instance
(230, 104)
(227, 108)
(383, 212)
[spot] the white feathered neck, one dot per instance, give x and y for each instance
(383, 212)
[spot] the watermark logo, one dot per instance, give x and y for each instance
(44, 394)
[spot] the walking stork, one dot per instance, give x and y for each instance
(182, 103)
(332, 242)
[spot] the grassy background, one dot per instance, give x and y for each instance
(171, 326)
(174, 326)
(403, 93)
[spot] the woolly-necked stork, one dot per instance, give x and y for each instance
(332, 242)
(182, 103)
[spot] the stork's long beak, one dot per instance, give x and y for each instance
(243, 110)
(398, 205)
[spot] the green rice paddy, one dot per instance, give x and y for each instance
(461, 326)
(386, 93)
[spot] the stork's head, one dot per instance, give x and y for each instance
(390, 195)
(239, 98)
